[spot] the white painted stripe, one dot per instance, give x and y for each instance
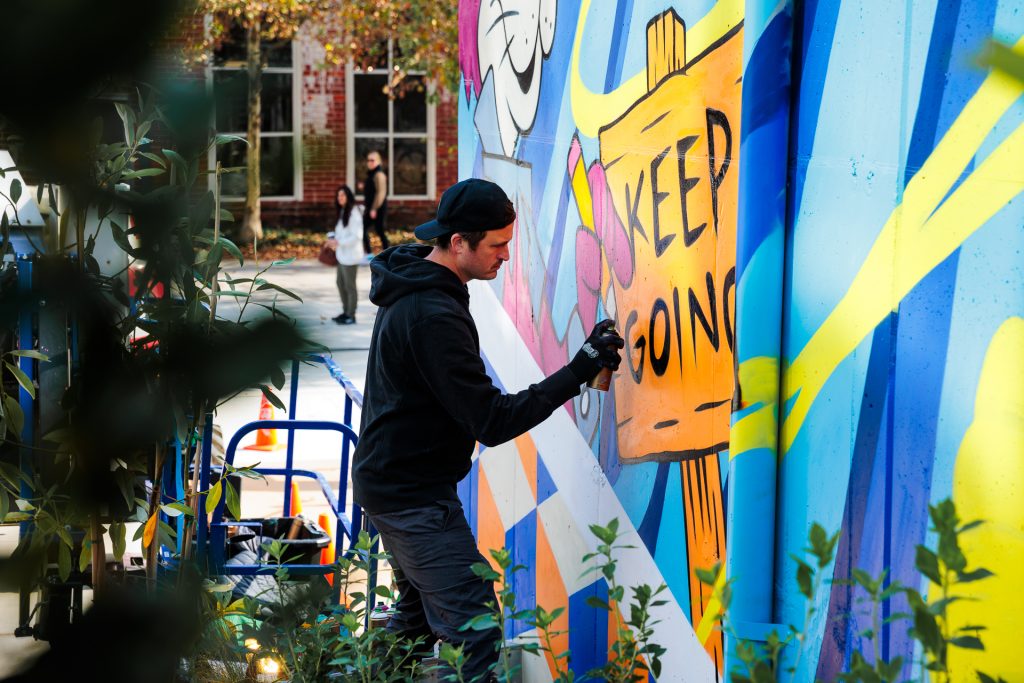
(568, 544)
(586, 492)
(513, 494)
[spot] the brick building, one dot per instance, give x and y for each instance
(318, 124)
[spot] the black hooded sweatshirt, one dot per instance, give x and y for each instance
(428, 398)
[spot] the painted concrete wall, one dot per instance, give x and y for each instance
(903, 336)
(869, 244)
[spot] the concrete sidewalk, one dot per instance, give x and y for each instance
(319, 397)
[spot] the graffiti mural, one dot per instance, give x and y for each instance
(806, 225)
(615, 131)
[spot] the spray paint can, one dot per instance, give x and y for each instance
(603, 379)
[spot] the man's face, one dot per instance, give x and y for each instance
(483, 262)
(372, 160)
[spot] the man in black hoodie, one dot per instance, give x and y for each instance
(428, 400)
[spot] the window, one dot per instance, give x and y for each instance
(280, 169)
(402, 130)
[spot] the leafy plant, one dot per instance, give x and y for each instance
(502, 611)
(946, 568)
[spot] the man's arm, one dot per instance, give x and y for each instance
(445, 353)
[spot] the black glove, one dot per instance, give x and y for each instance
(601, 350)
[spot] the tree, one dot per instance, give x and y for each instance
(261, 21)
(424, 34)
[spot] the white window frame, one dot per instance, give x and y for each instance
(350, 135)
(296, 132)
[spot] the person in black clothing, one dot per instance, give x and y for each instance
(375, 197)
(428, 400)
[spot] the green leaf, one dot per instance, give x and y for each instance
(85, 556)
(222, 139)
(22, 378)
(598, 603)
(29, 353)
(708, 576)
(142, 173)
(232, 249)
(226, 216)
(279, 288)
(804, 577)
(277, 378)
(864, 580)
(15, 191)
(128, 119)
(231, 501)
(272, 397)
(63, 562)
(928, 564)
(284, 262)
(172, 509)
(121, 238)
(155, 158)
(974, 575)
(1004, 58)
(970, 525)
(213, 497)
(178, 164)
(14, 416)
(967, 642)
(117, 538)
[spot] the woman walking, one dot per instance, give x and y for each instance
(347, 237)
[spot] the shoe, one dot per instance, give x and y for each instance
(338, 318)
(345, 320)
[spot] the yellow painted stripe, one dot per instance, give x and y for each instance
(759, 429)
(916, 238)
(592, 110)
(711, 614)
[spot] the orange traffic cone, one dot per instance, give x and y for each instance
(327, 554)
(266, 439)
(296, 507)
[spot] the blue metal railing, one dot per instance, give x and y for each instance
(345, 527)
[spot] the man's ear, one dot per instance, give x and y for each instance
(457, 244)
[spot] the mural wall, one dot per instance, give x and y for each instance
(904, 295)
(821, 282)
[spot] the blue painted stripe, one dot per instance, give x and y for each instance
(648, 530)
(837, 634)
(814, 33)
(617, 48)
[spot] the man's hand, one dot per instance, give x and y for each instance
(373, 213)
(600, 350)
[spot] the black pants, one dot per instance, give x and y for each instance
(377, 225)
(432, 549)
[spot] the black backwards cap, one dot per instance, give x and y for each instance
(471, 205)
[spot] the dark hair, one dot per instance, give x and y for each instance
(344, 212)
(471, 238)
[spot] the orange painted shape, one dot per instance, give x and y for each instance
(528, 456)
(490, 534)
(551, 594)
(673, 391)
(705, 536)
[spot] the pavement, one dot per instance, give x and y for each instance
(319, 397)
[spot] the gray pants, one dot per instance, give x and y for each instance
(432, 551)
(347, 289)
